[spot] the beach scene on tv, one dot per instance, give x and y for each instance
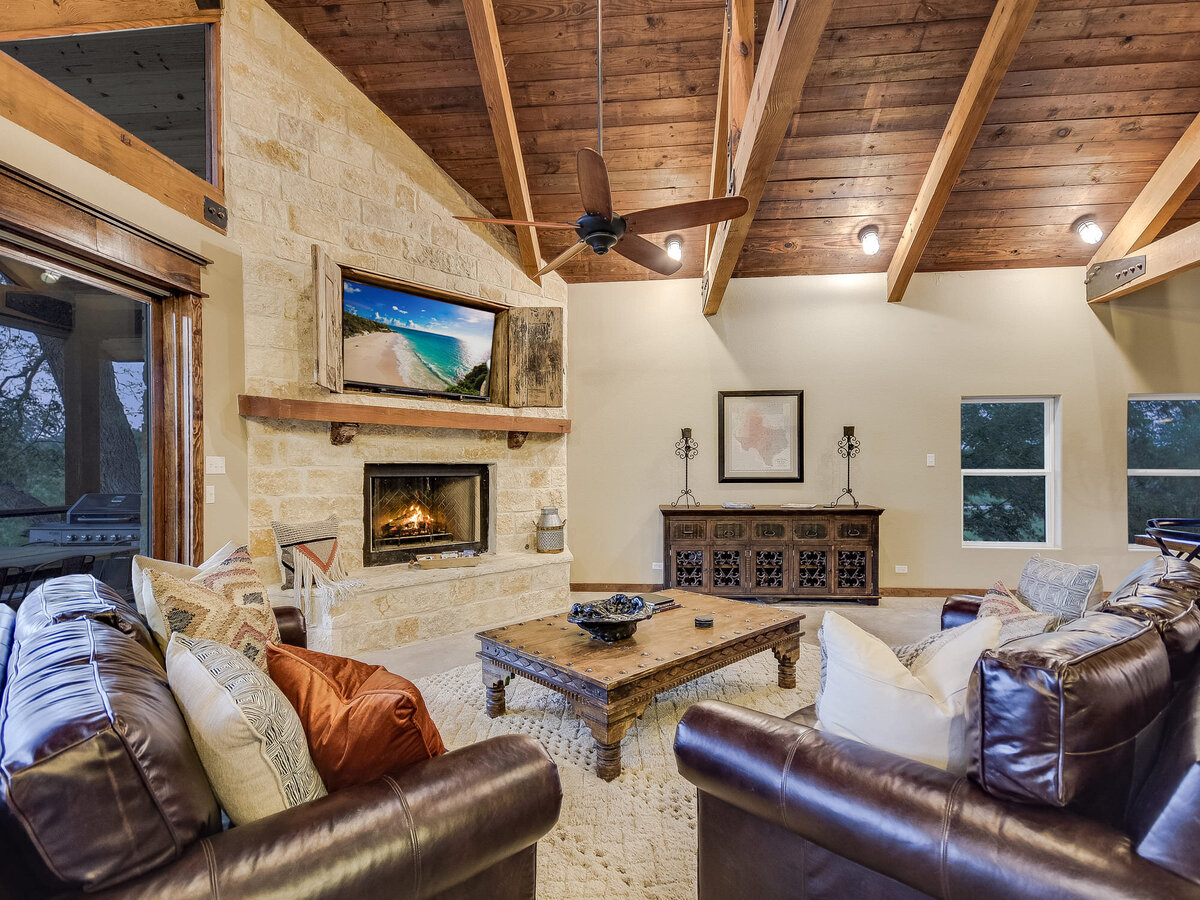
(394, 339)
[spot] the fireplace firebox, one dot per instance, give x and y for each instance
(418, 509)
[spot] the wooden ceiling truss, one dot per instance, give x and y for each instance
(996, 52)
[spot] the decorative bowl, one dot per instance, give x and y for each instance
(613, 619)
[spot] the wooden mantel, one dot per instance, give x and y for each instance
(344, 418)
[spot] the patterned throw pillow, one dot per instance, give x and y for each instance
(316, 540)
(239, 616)
(247, 735)
(1016, 619)
(1060, 589)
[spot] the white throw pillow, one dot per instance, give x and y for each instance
(247, 735)
(143, 591)
(870, 696)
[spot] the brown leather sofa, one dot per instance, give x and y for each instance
(102, 793)
(1084, 780)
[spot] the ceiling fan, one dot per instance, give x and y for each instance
(600, 228)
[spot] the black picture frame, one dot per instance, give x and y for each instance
(779, 421)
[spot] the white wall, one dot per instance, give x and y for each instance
(645, 362)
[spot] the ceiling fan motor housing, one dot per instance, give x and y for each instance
(600, 233)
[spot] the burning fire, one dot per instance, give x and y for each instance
(414, 520)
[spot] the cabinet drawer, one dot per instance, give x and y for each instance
(728, 531)
(688, 530)
(856, 530)
(811, 531)
(770, 531)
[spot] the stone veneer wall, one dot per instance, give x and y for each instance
(308, 159)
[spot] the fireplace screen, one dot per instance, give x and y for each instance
(420, 509)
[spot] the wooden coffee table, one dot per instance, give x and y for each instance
(610, 685)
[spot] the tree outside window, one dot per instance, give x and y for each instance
(1008, 457)
(1163, 434)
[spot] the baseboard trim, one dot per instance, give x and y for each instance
(613, 586)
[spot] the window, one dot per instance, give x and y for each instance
(1008, 465)
(154, 82)
(1163, 436)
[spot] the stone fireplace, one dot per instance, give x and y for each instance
(416, 509)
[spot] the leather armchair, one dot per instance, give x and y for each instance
(817, 816)
(461, 825)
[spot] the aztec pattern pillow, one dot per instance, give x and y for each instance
(143, 593)
(248, 737)
(240, 617)
(1016, 619)
(1060, 589)
(316, 540)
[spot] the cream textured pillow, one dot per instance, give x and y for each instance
(246, 733)
(143, 592)
(871, 697)
(241, 617)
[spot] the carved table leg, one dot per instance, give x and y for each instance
(786, 655)
(607, 733)
(493, 683)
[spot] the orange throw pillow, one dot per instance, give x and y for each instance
(361, 720)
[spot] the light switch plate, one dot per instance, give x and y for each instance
(657, 567)
(210, 493)
(929, 459)
(901, 570)
(214, 465)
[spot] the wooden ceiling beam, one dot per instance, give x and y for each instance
(1165, 257)
(485, 39)
(1164, 193)
(47, 18)
(719, 174)
(787, 54)
(991, 62)
(741, 67)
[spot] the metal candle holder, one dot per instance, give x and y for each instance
(847, 449)
(685, 449)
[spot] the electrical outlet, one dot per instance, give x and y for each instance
(210, 493)
(929, 459)
(214, 465)
(901, 570)
(657, 567)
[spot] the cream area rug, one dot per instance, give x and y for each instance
(634, 837)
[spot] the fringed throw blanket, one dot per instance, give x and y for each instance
(310, 557)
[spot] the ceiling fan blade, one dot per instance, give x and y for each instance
(566, 256)
(558, 226)
(593, 183)
(686, 215)
(644, 253)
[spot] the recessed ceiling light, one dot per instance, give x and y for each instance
(675, 247)
(1089, 231)
(869, 238)
(51, 277)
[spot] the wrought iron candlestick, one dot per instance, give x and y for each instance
(685, 449)
(847, 449)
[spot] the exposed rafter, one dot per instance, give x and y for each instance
(485, 39)
(1004, 32)
(787, 54)
(1159, 200)
(741, 67)
(1165, 257)
(46, 18)
(719, 173)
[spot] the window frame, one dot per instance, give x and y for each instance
(1051, 466)
(1153, 473)
(45, 226)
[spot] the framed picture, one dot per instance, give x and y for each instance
(759, 436)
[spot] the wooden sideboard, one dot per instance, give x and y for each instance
(770, 553)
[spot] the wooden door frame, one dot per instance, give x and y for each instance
(40, 222)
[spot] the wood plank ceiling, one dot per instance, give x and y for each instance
(1099, 92)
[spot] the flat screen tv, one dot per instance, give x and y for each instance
(407, 340)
